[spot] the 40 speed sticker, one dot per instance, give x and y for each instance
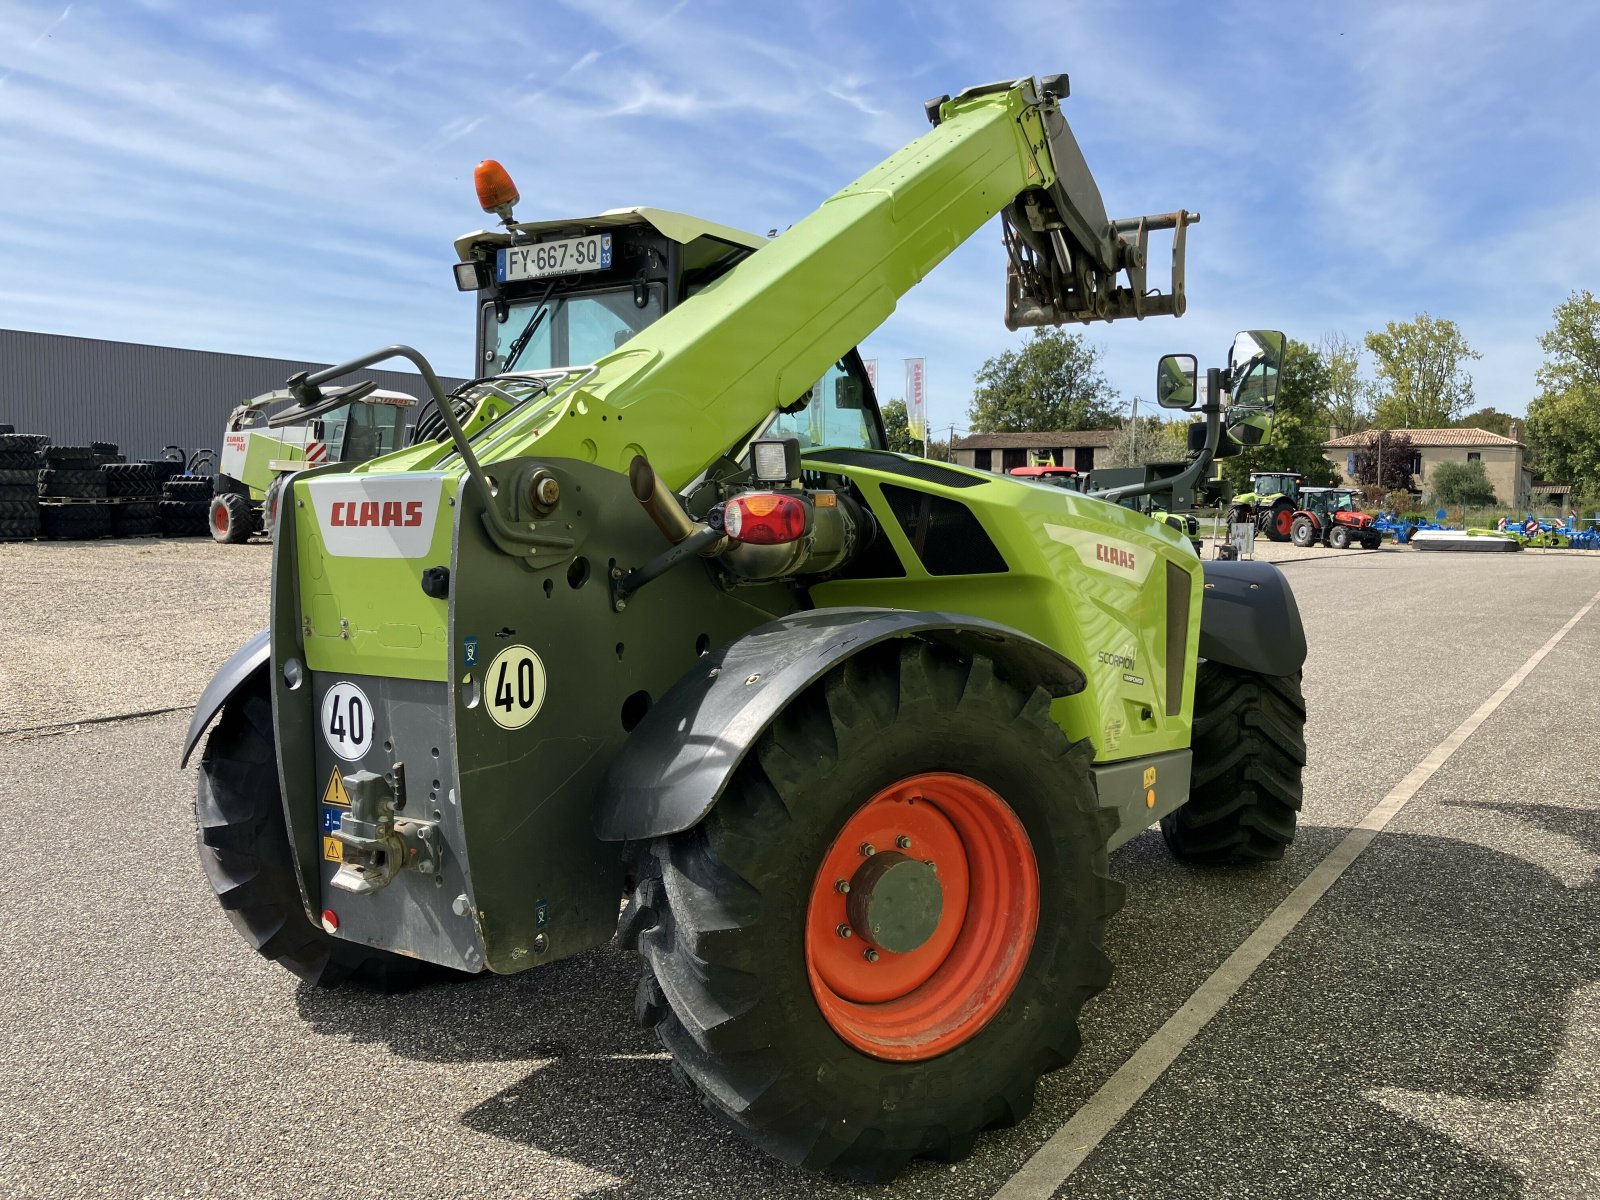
(513, 687)
(347, 721)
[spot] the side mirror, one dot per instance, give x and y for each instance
(1176, 381)
(848, 393)
(1253, 367)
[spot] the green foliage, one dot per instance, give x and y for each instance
(1383, 461)
(897, 428)
(1422, 377)
(1053, 382)
(1149, 440)
(1347, 399)
(1461, 483)
(1564, 419)
(1490, 418)
(1299, 428)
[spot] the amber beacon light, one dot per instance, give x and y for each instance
(496, 192)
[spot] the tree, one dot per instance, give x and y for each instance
(897, 428)
(1348, 398)
(1383, 462)
(1151, 440)
(1461, 483)
(1490, 418)
(1299, 425)
(1564, 418)
(1422, 376)
(1052, 383)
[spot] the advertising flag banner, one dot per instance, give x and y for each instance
(917, 397)
(871, 364)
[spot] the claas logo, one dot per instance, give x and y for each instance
(388, 513)
(1114, 556)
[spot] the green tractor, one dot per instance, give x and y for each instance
(1269, 505)
(268, 439)
(648, 610)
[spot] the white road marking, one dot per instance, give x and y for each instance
(1064, 1153)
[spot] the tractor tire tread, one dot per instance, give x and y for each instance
(726, 990)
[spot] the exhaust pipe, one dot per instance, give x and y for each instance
(663, 507)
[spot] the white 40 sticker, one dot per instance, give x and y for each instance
(347, 720)
(513, 688)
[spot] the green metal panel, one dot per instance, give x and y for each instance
(1085, 577)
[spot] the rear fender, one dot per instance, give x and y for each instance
(231, 679)
(682, 755)
(1249, 618)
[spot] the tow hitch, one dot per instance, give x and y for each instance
(376, 845)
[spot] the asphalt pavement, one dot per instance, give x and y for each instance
(1430, 1028)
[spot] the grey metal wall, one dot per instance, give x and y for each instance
(79, 390)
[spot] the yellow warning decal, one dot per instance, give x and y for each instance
(334, 793)
(1149, 779)
(332, 850)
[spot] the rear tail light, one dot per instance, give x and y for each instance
(765, 519)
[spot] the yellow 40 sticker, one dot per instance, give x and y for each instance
(513, 687)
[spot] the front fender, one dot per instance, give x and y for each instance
(682, 755)
(1249, 620)
(246, 661)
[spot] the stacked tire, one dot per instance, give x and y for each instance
(136, 488)
(185, 506)
(70, 476)
(19, 496)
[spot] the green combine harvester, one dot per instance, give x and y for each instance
(648, 611)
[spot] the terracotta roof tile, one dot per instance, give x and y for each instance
(1428, 437)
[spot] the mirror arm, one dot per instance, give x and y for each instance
(1196, 470)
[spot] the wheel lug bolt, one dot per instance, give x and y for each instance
(867, 850)
(841, 886)
(870, 954)
(845, 931)
(903, 842)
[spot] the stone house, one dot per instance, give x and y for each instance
(1083, 450)
(1504, 458)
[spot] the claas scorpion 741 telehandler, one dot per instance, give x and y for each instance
(852, 731)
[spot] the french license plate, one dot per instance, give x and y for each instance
(566, 256)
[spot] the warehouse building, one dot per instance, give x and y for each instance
(77, 390)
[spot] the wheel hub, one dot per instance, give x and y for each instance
(895, 902)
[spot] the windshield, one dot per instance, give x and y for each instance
(833, 413)
(572, 330)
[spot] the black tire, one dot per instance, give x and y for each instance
(19, 510)
(130, 479)
(72, 484)
(19, 477)
(719, 913)
(74, 522)
(244, 849)
(1371, 541)
(19, 530)
(186, 487)
(20, 494)
(163, 469)
(1249, 751)
(135, 510)
(1339, 537)
(108, 450)
(1271, 518)
(184, 518)
(18, 460)
(149, 527)
(231, 518)
(70, 458)
(1237, 514)
(20, 443)
(1303, 533)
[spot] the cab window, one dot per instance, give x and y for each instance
(839, 410)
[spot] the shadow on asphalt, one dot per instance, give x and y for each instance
(1435, 966)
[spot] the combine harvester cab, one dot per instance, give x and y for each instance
(649, 609)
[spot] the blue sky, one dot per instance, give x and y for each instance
(287, 179)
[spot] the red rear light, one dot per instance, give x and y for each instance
(330, 920)
(765, 519)
(495, 189)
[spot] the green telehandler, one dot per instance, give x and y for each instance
(648, 611)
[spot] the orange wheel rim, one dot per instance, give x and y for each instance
(219, 517)
(921, 978)
(1285, 520)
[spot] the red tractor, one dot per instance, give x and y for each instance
(1333, 517)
